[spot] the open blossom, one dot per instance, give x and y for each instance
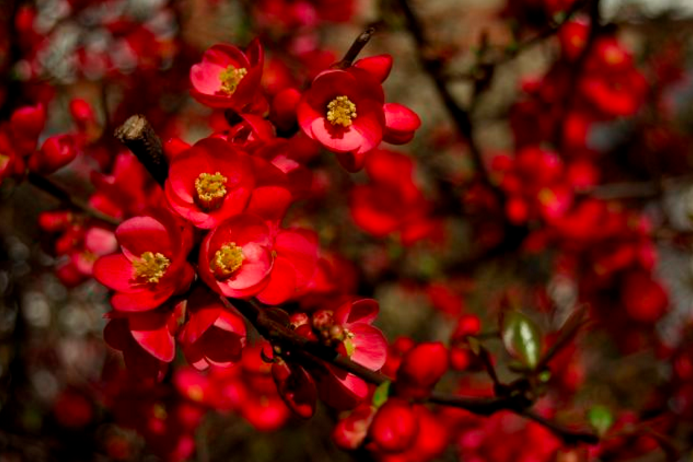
(209, 182)
(152, 264)
(244, 257)
(345, 111)
(229, 78)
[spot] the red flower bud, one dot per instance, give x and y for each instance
(467, 324)
(28, 121)
(82, 112)
(350, 432)
(421, 369)
(55, 221)
(283, 108)
(56, 152)
(394, 426)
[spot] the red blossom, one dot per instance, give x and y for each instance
(152, 266)
(209, 182)
(229, 78)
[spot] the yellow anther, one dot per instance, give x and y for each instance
(211, 190)
(151, 267)
(341, 111)
(230, 78)
(227, 260)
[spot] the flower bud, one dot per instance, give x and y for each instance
(283, 108)
(82, 113)
(350, 432)
(28, 121)
(421, 369)
(54, 221)
(56, 152)
(467, 324)
(394, 426)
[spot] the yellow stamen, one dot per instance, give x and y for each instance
(151, 267)
(230, 78)
(341, 111)
(227, 260)
(211, 190)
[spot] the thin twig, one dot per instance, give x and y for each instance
(46, 185)
(355, 48)
(511, 52)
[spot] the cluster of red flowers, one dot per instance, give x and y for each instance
(224, 240)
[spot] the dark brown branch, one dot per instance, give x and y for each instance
(434, 67)
(355, 48)
(271, 327)
(570, 437)
(511, 52)
(139, 136)
(46, 185)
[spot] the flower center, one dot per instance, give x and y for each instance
(230, 78)
(211, 190)
(226, 260)
(341, 111)
(151, 267)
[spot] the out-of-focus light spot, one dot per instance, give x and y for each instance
(36, 310)
(45, 384)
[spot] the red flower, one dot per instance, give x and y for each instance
(152, 265)
(241, 258)
(229, 78)
(212, 335)
(209, 182)
(236, 257)
(343, 111)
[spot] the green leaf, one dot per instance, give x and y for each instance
(381, 393)
(601, 419)
(521, 338)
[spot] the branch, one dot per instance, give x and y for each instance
(269, 324)
(512, 51)
(139, 136)
(569, 437)
(46, 185)
(356, 47)
(434, 67)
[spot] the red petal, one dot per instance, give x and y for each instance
(143, 234)
(379, 66)
(150, 330)
(282, 283)
(370, 346)
(400, 119)
(300, 248)
(115, 272)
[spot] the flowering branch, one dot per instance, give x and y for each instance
(273, 323)
(268, 322)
